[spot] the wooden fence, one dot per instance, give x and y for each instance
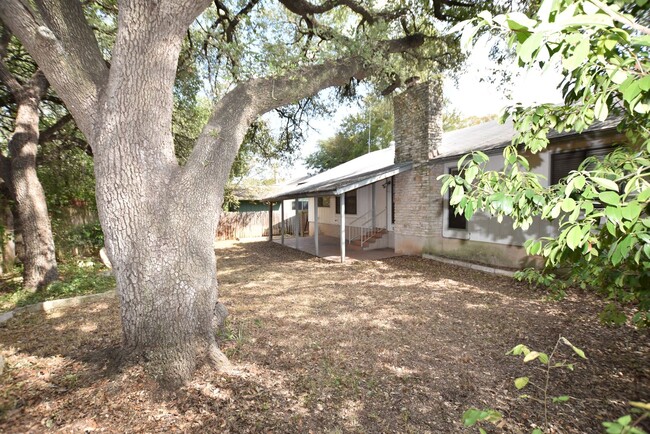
(254, 224)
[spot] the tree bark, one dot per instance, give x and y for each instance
(39, 260)
(8, 244)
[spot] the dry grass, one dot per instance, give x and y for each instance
(400, 345)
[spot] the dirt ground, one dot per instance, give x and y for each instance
(400, 345)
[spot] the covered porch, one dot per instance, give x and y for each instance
(368, 219)
(329, 248)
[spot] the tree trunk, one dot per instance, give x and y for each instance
(159, 231)
(8, 244)
(39, 260)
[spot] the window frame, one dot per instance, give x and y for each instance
(350, 203)
(452, 217)
(577, 154)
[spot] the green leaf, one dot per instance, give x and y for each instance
(469, 31)
(601, 111)
(519, 349)
(574, 237)
(631, 211)
(614, 214)
(457, 195)
(580, 54)
(562, 398)
(605, 183)
(631, 91)
(529, 46)
(486, 15)
(577, 350)
(609, 197)
(624, 420)
(521, 382)
(569, 204)
(531, 356)
(519, 21)
(644, 83)
(543, 357)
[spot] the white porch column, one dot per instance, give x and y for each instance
(270, 221)
(282, 222)
(297, 224)
(316, 224)
(372, 205)
(342, 200)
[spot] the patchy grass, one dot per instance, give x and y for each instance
(403, 345)
(80, 277)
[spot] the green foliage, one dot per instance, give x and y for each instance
(84, 240)
(627, 424)
(473, 416)
(602, 208)
(369, 130)
(79, 277)
(541, 383)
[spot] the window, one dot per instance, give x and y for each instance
(323, 201)
(455, 221)
(303, 204)
(350, 203)
(565, 162)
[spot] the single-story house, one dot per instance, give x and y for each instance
(392, 196)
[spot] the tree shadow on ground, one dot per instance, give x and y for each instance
(399, 345)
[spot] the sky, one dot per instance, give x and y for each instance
(468, 94)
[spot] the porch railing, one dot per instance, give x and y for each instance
(362, 227)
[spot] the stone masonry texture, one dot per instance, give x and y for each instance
(418, 133)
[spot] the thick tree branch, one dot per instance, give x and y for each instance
(218, 143)
(304, 8)
(50, 133)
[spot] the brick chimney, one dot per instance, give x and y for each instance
(418, 121)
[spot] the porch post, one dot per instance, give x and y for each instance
(372, 198)
(342, 200)
(270, 221)
(282, 222)
(296, 234)
(316, 223)
(389, 204)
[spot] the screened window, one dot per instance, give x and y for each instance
(456, 221)
(350, 203)
(565, 162)
(323, 201)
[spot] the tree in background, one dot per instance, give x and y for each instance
(602, 208)
(26, 86)
(360, 133)
(371, 130)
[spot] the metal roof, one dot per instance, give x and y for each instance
(364, 170)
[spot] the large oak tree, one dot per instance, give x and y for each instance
(159, 217)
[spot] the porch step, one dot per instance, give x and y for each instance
(376, 235)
